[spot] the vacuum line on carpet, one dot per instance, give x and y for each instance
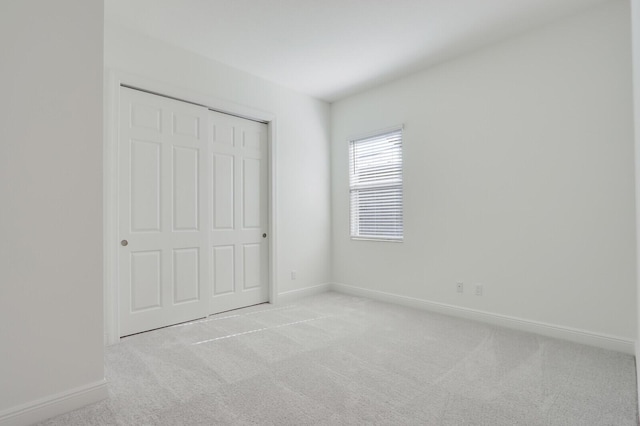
(261, 329)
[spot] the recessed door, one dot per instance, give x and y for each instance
(164, 186)
(239, 212)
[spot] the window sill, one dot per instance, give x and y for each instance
(387, 240)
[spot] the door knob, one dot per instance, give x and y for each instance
(264, 235)
(124, 243)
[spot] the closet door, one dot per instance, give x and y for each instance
(164, 185)
(239, 207)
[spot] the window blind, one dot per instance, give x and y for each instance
(376, 186)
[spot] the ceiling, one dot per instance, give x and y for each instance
(330, 49)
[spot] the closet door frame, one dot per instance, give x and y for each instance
(115, 79)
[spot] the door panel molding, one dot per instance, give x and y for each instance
(114, 80)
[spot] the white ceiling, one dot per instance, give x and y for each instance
(332, 48)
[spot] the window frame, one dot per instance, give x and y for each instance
(363, 137)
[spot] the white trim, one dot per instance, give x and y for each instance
(386, 240)
(637, 347)
(113, 80)
(54, 405)
(273, 235)
(299, 293)
(550, 330)
(110, 206)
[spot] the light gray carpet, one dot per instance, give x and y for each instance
(334, 359)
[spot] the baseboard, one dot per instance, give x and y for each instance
(54, 405)
(637, 345)
(550, 330)
(293, 295)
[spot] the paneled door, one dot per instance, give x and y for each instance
(239, 206)
(164, 187)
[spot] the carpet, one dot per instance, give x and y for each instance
(334, 359)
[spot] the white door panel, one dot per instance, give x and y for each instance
(146, 285)
(145, 169)
(224, 270)
(239, 198)
(163, 200)
(223, 192)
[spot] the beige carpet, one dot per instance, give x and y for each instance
(334, 359)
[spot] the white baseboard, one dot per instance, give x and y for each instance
(637, 346)
(614, 343)
(292, 295)
(54, 405)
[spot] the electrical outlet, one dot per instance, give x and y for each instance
(479, 289)
(294, 275)
(460, 287)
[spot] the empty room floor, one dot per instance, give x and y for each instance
(334, 359)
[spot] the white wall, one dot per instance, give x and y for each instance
(302, 143)
(51, 210)
(518, 175)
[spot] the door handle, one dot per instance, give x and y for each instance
(124, 243)
(264, 235)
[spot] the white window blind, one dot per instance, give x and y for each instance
(376, 186)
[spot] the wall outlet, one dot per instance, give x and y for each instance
(460, 287)
(479, 289)
(294, 275)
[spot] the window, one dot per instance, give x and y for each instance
(375, 176)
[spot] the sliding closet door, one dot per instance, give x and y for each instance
(239, 207)
(164, 185)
